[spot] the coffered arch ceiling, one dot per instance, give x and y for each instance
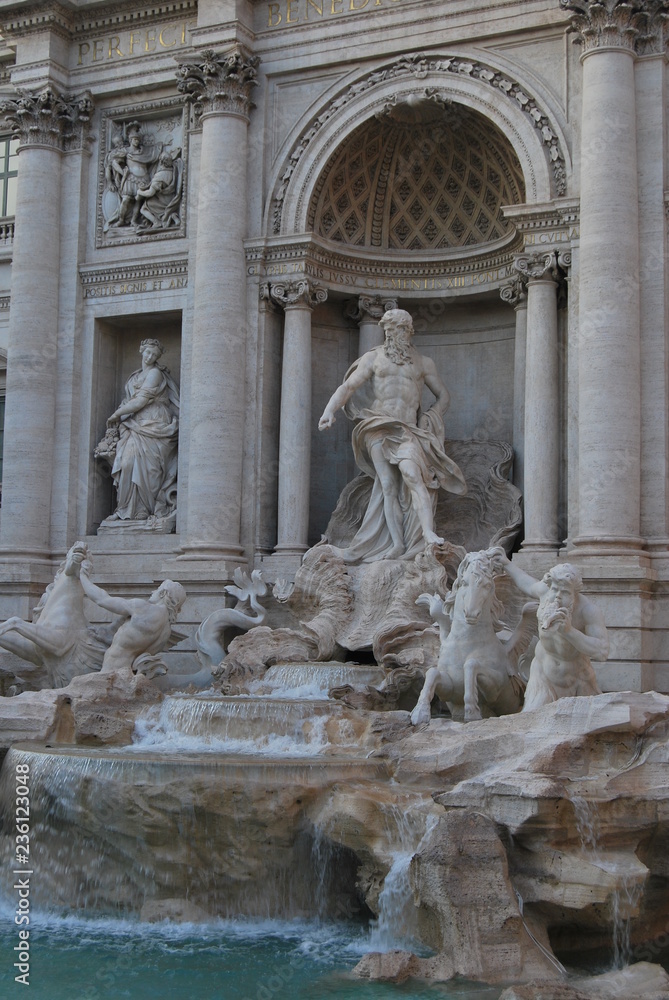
(420, 176)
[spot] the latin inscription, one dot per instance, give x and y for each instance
(387, 283)
(288, 12)
(551, 236)
(138, 42)
(110, 288)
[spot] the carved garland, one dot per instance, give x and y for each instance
(419, 66)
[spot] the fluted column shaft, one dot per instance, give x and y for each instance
(298, 299)
(222, 85)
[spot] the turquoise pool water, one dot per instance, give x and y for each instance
(76, 959)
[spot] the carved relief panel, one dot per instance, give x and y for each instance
(142, 174)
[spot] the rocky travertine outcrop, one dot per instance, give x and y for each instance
(553, 838)
(501, 845)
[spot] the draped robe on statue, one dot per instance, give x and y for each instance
(399, 440)
(145, 466)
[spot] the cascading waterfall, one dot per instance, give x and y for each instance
(627, 887)
(396, 924)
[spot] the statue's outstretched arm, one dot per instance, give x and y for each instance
(363, 370)
(117, 605)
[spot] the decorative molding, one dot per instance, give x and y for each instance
(162, 126)
(298, 294)
(419, 66)
(479, 269)
(47, 118)
(70, 23)
(220, 83)
(135, 278)
(368, 307)
(637, 25)
(5, 301)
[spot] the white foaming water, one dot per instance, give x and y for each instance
(396, 925)
(158, 730)
(627, 893)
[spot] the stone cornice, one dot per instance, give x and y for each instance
(636, 25)
(96, 279)
(47, 118)
(389, 274)
(69, 22)
(219, 83)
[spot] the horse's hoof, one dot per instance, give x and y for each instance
(418, 718)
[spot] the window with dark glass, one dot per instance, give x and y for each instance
(8, 173)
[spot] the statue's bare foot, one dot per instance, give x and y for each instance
(396, 552)
(433, 539)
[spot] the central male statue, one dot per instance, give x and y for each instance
(401, 448)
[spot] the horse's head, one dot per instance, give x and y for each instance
(473, 592)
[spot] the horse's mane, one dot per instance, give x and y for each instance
(482, 563)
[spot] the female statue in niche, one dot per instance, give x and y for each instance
(141, 445)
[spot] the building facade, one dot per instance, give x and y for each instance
(252, 184)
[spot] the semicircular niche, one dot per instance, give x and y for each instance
(420, 177)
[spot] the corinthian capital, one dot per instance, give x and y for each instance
(47, 118)
(220, 82)
(632, 24)
(515, 293)
(549, 266)
(296, 294)
(368, 307)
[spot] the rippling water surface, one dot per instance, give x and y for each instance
(78, 959)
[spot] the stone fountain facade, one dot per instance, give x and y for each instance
(221, 181)
(213, 211)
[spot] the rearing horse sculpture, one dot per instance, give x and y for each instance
(475, 664)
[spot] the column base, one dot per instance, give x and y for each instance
(607, 545)
(208, 551)
(539, 547)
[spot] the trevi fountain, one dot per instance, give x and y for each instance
(334, 542)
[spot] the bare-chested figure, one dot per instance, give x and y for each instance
(147, 627)
(60, 643)
(571, 634)
(401, 448)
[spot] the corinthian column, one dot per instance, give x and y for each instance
(298, 298)
(367, 310)
(515, 294)
(609, 354)
(542, 409)
(221, 85)
(46, 123)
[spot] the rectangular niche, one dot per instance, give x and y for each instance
(141, 191)
(116, 357)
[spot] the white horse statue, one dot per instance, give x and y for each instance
(475, 664)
